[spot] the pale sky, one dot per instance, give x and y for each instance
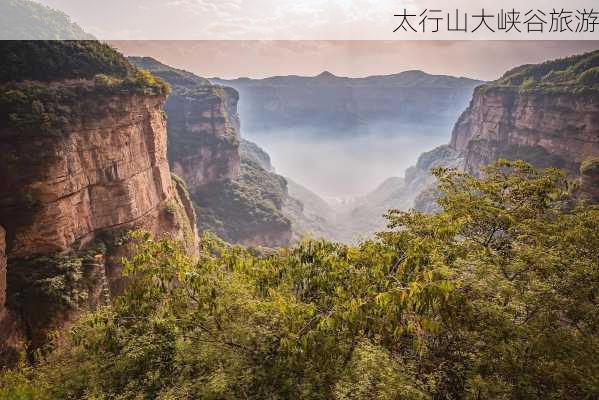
(485, 60)
(287, 19)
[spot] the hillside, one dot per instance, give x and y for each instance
(247, 210)
(30, 20)
(339, 106)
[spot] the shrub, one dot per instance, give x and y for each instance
(460, 304)
(590, 77)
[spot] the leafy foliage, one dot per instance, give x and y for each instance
(44, 83)
(571, 73)
(494, 297)
(236, 210)
(182, 81)
(50, 60)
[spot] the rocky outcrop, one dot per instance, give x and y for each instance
(204, 135)
(61, 196)
(203, 126)
(559, 129)
(237, 196)
(107, 171)
(546, 114)
(84, 162)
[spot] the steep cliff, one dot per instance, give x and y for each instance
(235, 196)
(547, 114)
(203, 126)
(83, 162)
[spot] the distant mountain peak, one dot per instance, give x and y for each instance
(326, 75)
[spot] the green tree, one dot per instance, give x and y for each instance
(494, 297)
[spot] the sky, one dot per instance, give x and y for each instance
(287, 19)
(485, 60)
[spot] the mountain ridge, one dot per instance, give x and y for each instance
(402, 78)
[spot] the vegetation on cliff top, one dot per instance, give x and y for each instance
(43, 82)
(246, 208)
(493, 297)
(53, 60)
(575, 73)
(179, 79)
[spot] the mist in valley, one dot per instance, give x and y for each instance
(341, 168)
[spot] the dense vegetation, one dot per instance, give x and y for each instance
(579, 71)
(239, 209)
(44, 84)
(50, 60)
(494, 297)
(30, 20)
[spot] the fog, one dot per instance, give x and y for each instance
(339, 167)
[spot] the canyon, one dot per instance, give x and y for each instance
(234, 195)
(546, 114)
(98, 145)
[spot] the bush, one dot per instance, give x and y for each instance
(590, 77)
(461, 304)
(60, 59)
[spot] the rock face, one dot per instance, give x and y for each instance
(545, 128)
(106, 172)
(208, 122)
(2, 271)
(203, 126)
(546, 114)
(84, 162)
(237, 196)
